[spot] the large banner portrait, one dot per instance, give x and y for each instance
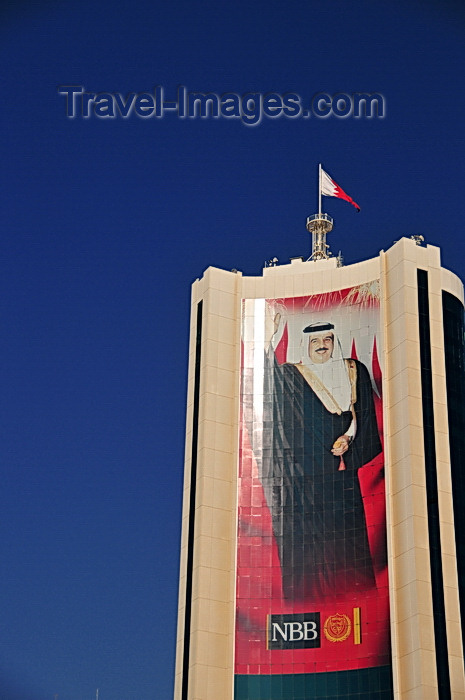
(312, 584)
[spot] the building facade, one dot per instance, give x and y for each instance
(324, 472)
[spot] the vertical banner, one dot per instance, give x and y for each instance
(312, 582)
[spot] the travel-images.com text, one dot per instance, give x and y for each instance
(249, 107)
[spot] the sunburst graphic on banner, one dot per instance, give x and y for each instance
(365, 294)
(318, 302)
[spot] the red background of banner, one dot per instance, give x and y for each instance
(259, 590)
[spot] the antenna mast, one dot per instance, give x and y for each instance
(319, 225)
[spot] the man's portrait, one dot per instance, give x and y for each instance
(320, 428)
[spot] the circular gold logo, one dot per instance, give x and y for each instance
(337, 627)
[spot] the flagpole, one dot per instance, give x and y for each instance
(319, 225)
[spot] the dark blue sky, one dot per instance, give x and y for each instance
(105, 224)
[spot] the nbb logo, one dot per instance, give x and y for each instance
(293, 631)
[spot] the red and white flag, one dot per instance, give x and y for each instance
(331, 189)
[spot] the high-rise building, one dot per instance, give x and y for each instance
(323, 539)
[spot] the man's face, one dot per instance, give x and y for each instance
(320, 347)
